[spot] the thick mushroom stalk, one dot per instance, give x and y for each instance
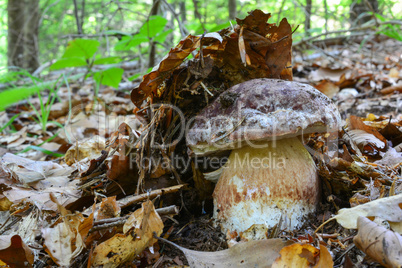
(261, 185)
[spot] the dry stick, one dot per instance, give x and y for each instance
(130, 200)
(113, 222)
(133, 199)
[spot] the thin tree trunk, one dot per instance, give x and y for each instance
(183, 15)
(23, 32)
(326, 15)
(232, 9)
(307, 22)
(152, 51)
(77, 18)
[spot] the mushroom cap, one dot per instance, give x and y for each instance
(261, 109)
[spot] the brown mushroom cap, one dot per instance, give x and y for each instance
(261, 109)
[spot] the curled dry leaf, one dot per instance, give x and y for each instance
(329, 88)
(379, 243)
(175, 57)
(251, 49)
(14, 252)
(138, 235)
(388, 208)
(90, 148)
(298, 255)
(258, 253)
(357, 124)
(108, 209)
(30, 171)
(65, 240)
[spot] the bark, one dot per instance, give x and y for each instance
(307, 22)
(232, 9)
(23, 32)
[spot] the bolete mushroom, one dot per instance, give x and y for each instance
(269, 172)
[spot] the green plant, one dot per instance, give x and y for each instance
(8, 123)
(152, 30)
(390, 30)
(42, 116)
(81, 53)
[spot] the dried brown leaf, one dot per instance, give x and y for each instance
(14, 252)
(298, 255)
(125, 247)
(174, 58)
(379, 243)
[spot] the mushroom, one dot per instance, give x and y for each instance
(269, 172)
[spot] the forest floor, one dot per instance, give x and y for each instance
(49, 184)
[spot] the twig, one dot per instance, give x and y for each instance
(133, 199)
(113, 222)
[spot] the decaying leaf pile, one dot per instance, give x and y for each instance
(104, 203)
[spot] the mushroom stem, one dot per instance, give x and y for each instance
(258, 185)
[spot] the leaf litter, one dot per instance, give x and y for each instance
(94, 207)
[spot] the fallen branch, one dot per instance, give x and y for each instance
(133, 199)
(113, 222)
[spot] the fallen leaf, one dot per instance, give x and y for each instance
(387, 208)
(29, 171)
(108, 209)
(14, 252)
(379, 243)
(175, 57)
(298, 255)
(63, 242)
(328, 88)
(124, 247)
(90, 148)
(258, 253)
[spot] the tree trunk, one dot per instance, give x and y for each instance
(23, 32)
(183, 15)
(232, 9)
(307, 22)
(152, 51)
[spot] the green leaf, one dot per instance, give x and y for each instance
(110, 77)
(131, 78)
(68, 62)
(162, 36)
(82, 48)
(221, 26)
(153, 26)
(127, 42)
(108, 60)
(43, 150)
(9, 122)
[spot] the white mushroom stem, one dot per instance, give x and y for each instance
(258, 185)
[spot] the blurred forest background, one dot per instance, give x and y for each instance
(34, 33)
